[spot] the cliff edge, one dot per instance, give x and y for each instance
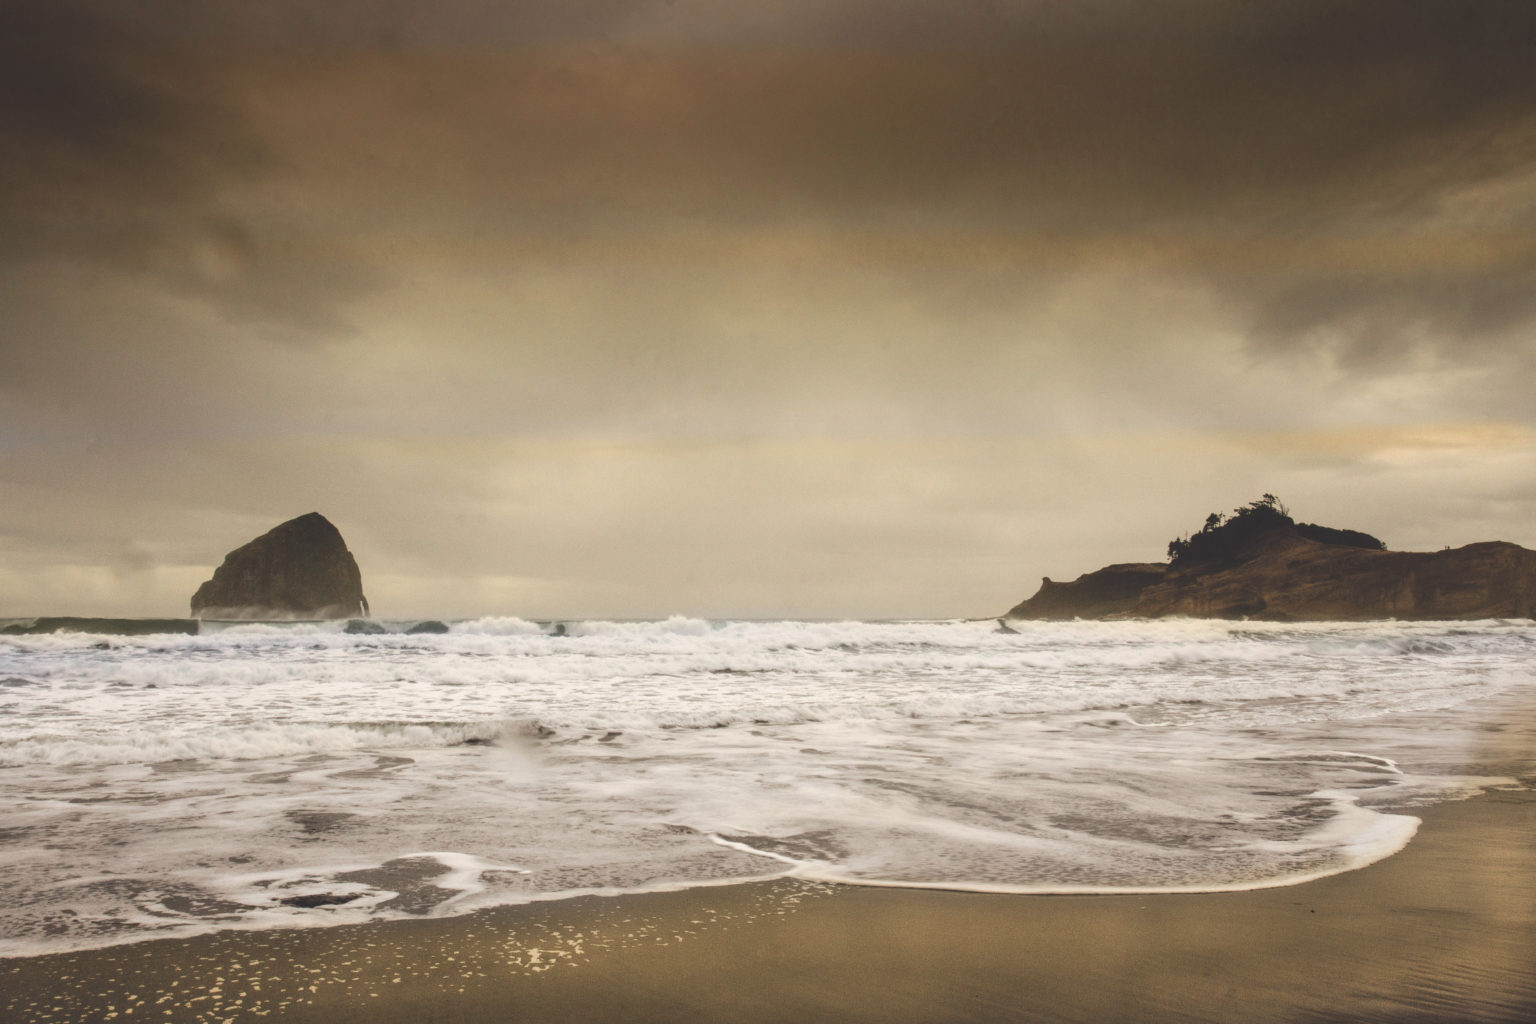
(1261, 564)
(300, 569)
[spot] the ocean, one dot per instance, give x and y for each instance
(257, 776)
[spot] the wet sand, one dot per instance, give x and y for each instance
(1443, 931)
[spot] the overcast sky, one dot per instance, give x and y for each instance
(769, 307)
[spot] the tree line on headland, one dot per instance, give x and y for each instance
(1223, 536)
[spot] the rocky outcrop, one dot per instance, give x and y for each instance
(1112, 590)
(298, 570)
(1280, 572)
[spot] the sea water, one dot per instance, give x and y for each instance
(298, 775)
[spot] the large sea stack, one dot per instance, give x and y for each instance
(1261, 564)
(298, 570)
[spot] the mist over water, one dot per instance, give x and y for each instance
(261, 775)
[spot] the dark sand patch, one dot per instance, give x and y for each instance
(1444, 931)
(320, 899)
(192, 902)
(410, 878)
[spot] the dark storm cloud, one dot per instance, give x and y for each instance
(1240, 143)
(117, 155)
(1248, 145)
(1388, 116)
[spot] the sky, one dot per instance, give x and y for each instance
(812, 308)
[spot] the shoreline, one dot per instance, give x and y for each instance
(1445, 929)
(1405, 824)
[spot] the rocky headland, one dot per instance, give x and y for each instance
(1259, 563)
(300, 569)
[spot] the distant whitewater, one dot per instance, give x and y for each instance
(172, 782)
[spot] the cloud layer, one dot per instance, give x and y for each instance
(838, 308)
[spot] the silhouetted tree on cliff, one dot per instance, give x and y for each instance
(1223, 536)
(1226, 537)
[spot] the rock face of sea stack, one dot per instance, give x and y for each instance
(298, 570)
(1261, 564)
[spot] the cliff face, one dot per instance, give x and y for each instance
(298, 570)
(1284, 576)
(1307, 580)
(1112, 590)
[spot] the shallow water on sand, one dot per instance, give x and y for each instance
(168, 784)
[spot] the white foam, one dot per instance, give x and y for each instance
(1395, 834)
(1069, 757)
(497, 625)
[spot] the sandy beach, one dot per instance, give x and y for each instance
(1445, 930)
